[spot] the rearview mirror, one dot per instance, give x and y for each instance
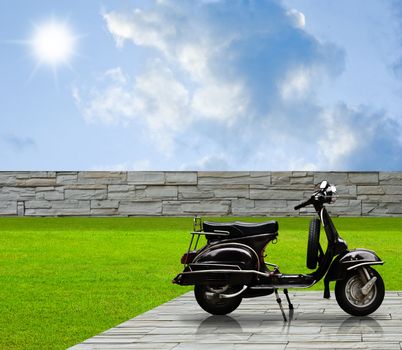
(324, 185)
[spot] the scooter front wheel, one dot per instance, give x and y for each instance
(209, 299)
(351, 298)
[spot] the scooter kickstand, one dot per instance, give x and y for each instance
(287, 298)
(279, 301)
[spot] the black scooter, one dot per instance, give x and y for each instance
(231, 265)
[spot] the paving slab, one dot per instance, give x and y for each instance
(257, 324)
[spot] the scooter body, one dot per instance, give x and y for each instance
(231, 265)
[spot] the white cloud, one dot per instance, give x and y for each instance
(210, 162)
(112, 104)
(116, 75)
(338, 140)
(139, 165)
(221, 102)
(236, 83)
(298, 18)
(154, 98)
(296, 84)
(143, 28)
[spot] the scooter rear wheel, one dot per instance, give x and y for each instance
(351, 300)
(209, 300)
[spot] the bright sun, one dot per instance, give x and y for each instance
(53, 43)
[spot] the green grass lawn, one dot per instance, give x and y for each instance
(66, 279)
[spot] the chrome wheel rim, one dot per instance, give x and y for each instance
(354, 295)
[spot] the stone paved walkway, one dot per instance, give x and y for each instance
(317, 323)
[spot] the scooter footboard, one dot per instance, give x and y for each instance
(215, 277)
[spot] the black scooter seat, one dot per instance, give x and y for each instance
(242, 229)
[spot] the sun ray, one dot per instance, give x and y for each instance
(33, 72)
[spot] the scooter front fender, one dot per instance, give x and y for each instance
(348, 261)
(359, 257)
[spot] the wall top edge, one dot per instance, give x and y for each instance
(199, 171)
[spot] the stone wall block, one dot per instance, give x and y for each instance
(8, 207)
(302, 180)
(394, 208)
(85, 194)
(352, 208)
(346, 191)
(371, 178)
(16, 193)
(370, 190)
(334, 178)
(44, 189)
(7, 179)
(230, 178)
(41, 212)
(73, 212)
(280, 177)
(126, 196)
(274, 207)
(232, 191)
(58, 212)
(206, 207)
(302, 173)
(101, 177)
(393, 189)
(120, 188)
(140, 207)
(390, 178)
(37, 204)
(104, 212)
(36, 182)
(50, 193)
(173, 208)
(146, 177)
(158, 192)
(85, 187)
(260, 177)
(242, 206)
(374, 209)
(195, 192)
(100, 204)
(181, 178)
(66, 179)
(275, 203)
(274, 194)
(35, 174)
(379, 198)
(53, 195)
(71, 204)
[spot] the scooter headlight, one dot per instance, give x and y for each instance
(331, 194)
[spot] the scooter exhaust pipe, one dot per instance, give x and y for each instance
(224, 296)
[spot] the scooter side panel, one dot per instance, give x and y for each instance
(221, 264)
(236, 254)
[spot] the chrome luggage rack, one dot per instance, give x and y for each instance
(197, 231)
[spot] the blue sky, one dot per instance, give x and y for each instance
(201, 85)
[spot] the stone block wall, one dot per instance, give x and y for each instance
(139, 193)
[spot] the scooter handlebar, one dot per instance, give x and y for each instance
(302, 205)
